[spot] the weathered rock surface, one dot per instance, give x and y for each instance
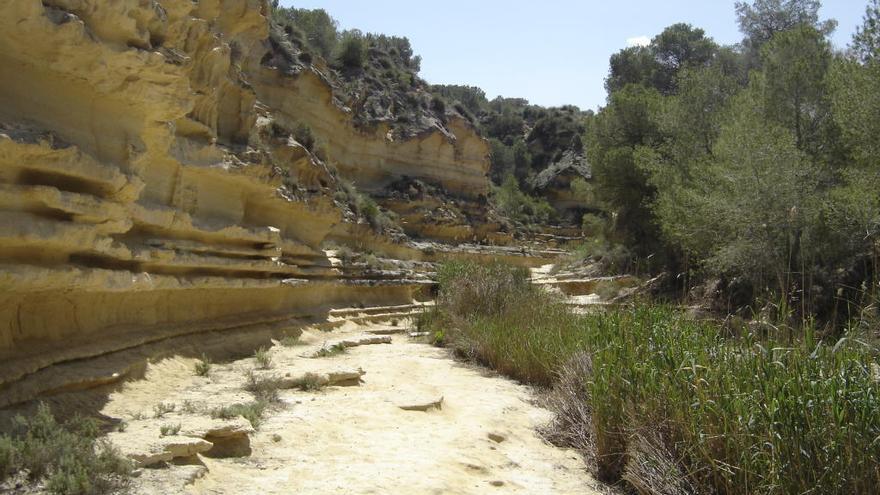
(146, 191)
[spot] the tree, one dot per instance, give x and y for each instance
(634, 65)
(855, 97)
(678, 47)
(628, 122)
(866, 41)
(763, 19)
(751, 210)
(316, 26)
(795, 64)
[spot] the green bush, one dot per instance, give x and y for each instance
(68, 458)
(304, 136)
(352, 50)
(514, 204)
(251, 411)
(263, 358)
(203, 366)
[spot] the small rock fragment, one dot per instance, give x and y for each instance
(422, 405)
(497, 437)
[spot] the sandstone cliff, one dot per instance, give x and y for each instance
(146, 194)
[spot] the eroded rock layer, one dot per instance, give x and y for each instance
(145, 192)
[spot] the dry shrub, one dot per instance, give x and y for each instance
(570, 401)
(652, 468)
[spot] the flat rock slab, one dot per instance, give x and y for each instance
(365, 340)
(421, 404)
(146, 450)
(387, 331)
(331, 378)
(207, 428)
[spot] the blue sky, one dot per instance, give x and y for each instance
(551, 52)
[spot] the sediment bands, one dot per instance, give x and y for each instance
(144, 194)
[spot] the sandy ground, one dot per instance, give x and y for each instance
(357, 439)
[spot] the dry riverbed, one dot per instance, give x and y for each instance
(416, 422)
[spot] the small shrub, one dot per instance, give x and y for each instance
(169, 430)
(66, 459)
(518, 206)
(330, 351)
(438, 105)
(162, 408)
(190, 407)
(310, 382)
(263, 358)
(352, 52)
(203, 366)
(264, 389)
(593, 225)
(252, 411)
(291, 341)
(304, 136)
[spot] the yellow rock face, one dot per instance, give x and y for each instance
(142, 197)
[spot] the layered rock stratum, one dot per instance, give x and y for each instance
(151, 189)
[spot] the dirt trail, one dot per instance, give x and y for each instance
(358, 439)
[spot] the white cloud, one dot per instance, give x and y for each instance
(638, 41)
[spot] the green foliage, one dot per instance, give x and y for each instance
(264, 389)
(304, 136)
(752, 209)
(629, 121)
(365, 207)
(657, 65)
(291, 341)
(170, 430)
(202, 366)
(253, 412)
(508, 160)
(309, 382)
(866, 41)
(855, 99)
(315, 29)
(472, 97)
(795, 95)
(514, 204)
(761, 20)
(263, 358)
(351, 52)
(754, 414)
(67, 459)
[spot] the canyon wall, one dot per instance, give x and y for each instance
(146, 194)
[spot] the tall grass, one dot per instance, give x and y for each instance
(675, 398)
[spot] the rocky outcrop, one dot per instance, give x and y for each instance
(454, 156)
(146, 193)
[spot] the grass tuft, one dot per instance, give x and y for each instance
(169, 430)
(263, 358)
(291, 341)
(203, 366)
(330, 351)
(251, 411)
(163, 408)
(309, 382)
